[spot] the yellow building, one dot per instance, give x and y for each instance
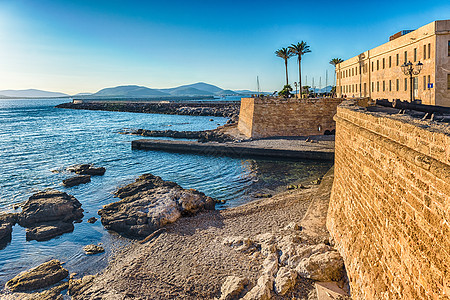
(377, 73)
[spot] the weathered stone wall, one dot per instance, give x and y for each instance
(389, 211)
(266, 117)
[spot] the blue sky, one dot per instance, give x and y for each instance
(83, 46)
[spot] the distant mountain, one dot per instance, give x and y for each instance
(31, 93)
(83, 94)
(189, 91)
(326, 89)
(196, 89)
(129, 91)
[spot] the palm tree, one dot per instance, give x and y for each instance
(285, 54)
(299, 49)
(335, 62)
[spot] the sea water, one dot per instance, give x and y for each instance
(38, 142)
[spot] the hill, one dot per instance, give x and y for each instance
(30, 93)
(129, 91)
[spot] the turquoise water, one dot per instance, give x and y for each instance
(38, 141)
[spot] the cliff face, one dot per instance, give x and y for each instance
(390, 206)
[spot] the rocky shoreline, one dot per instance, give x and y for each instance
(215, 135)
(217, 109)
(274, 248)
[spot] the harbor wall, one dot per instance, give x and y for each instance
(268, 117)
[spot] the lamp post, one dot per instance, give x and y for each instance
(295, 83)
(409, 69)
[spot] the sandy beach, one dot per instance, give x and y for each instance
(189, 260)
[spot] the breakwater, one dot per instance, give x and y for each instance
(389, 209)
(227, 109)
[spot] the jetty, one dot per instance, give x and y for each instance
(316, 148)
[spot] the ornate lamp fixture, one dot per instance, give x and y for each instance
(409, 69)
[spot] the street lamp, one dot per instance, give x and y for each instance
(295, 83)
(408, 69)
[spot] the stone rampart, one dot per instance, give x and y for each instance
(389, 211)
(267, 117)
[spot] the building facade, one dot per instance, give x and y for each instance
(377, 73)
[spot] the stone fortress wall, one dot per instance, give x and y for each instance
(389, 212)
(268, 117)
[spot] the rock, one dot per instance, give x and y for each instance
(5, 232)
(240, 243)
(150, 203)
(7, 221)
(327, 266)
(285, 280)
(49, 214)
(9, 218)
(262, 289)
(42, 276)
(292, 226)
(86, 169)
(270, 264)
(77, 180)
(49, 230)
(93, 249)
(78, 286)
(260, 195)
(53, 293)
(50, 206)
(92, 220)
(232, 287)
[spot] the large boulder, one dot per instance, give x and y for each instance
(150, 203)
(232, 287)
(49, 214)
(50, 206)
(327, 266)
(42, 276)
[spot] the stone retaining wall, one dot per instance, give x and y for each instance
(389, 211)
(267, 117)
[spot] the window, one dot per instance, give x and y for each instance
(390, 61)
(406, 56)
(429, 79)
(378, 86)
(448, 48)
(378, 64)
(372, 66)
(383, 63)
(356, 88)
(406, 84)
(424, 83)
(429, 50)
(373, 87)
(356, 70)
(415, 54)
(398, 84)
(424, 52)
(397, 57)
(384, 86)
(353, 72)
(390, 86)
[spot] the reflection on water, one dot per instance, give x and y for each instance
(36, 138)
